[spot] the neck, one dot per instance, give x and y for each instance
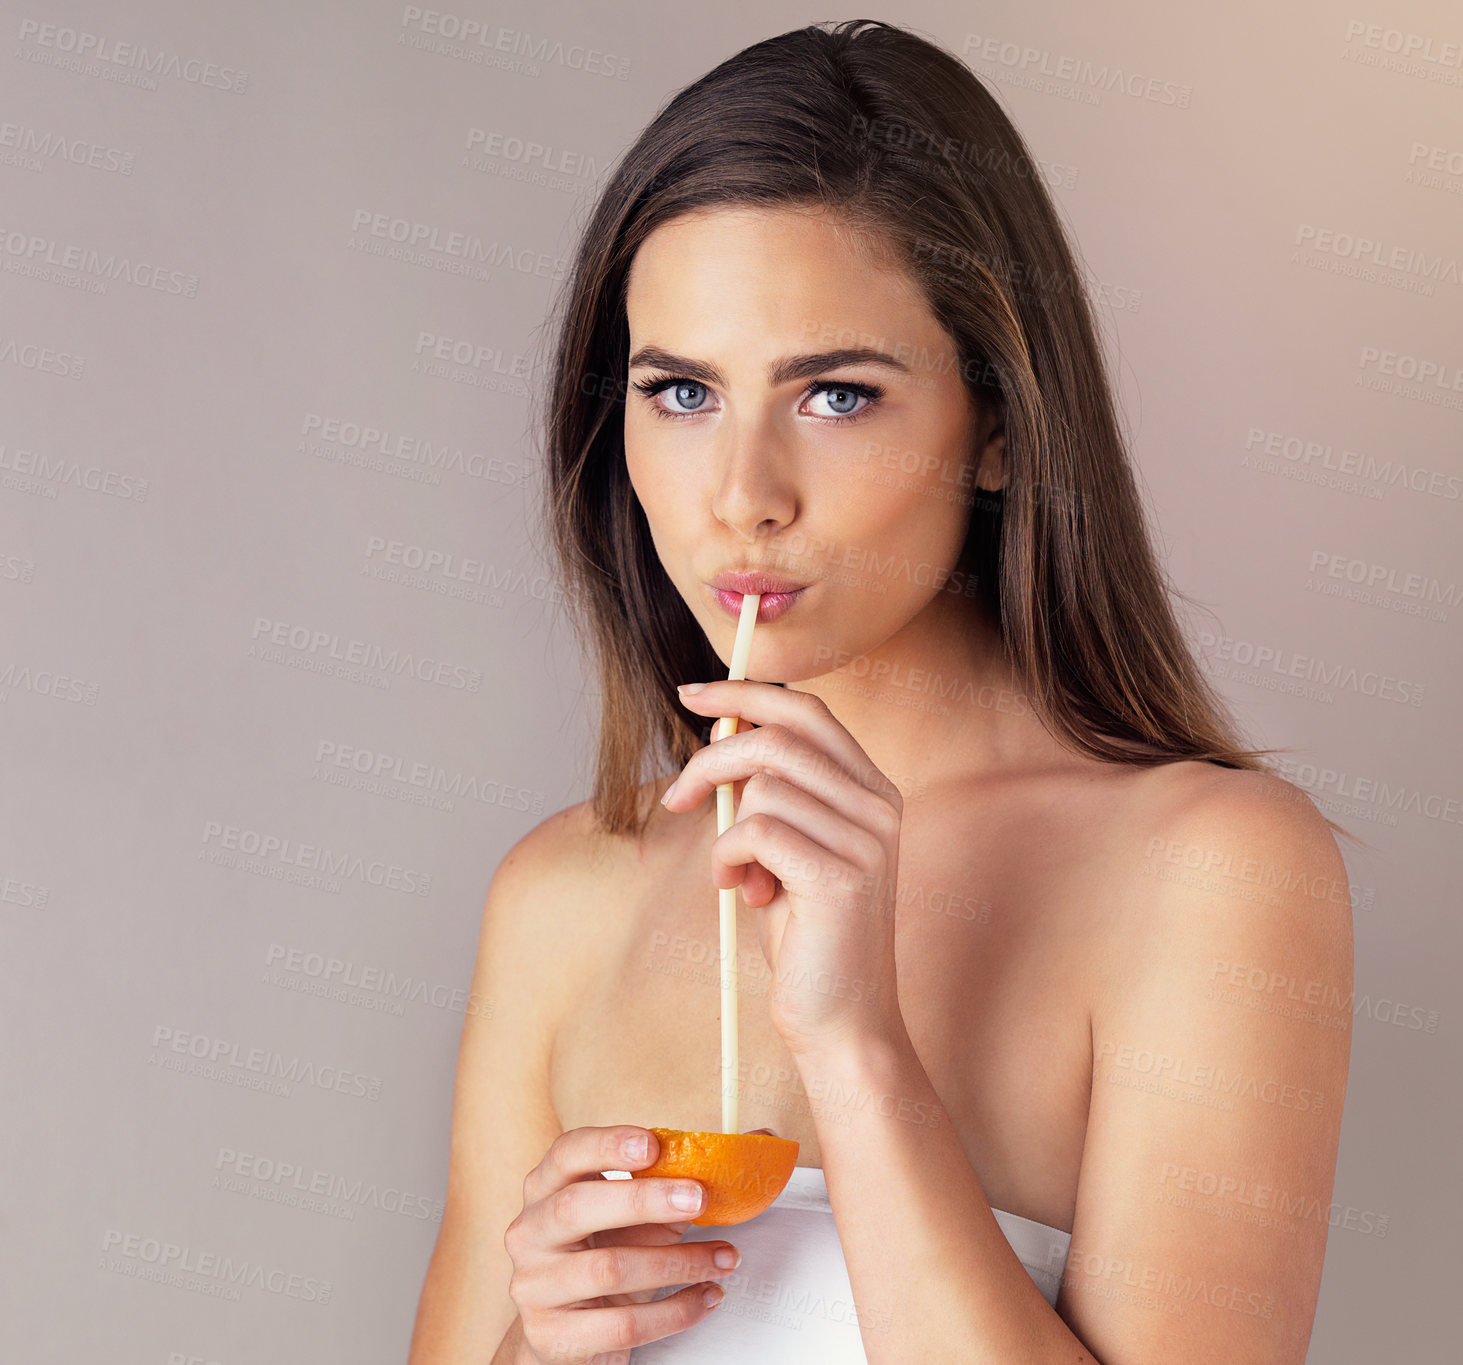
(938, 700)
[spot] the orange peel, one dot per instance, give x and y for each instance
(742, 1172)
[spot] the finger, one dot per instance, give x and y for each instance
(758, 885)
(642, 1234)
(781, 752)
(570, 1214)
(803, 713)
(582, 1153)
(770, 794)
(799, 863)
(605, 1270)
(584, 1332)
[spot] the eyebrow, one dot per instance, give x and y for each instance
(780, 371)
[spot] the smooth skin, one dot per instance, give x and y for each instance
(1028, 1026)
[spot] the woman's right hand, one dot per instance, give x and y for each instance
(589, 1252)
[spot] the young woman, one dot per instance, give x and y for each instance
(1028, 929)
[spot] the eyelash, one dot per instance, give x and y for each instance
(655, 384)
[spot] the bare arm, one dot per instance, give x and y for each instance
(502, 1115)
(1221, 1045)
(1219, 1075)
(513, 1351)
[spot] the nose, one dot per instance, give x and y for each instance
(756, 495)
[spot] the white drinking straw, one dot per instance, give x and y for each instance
(727, 895)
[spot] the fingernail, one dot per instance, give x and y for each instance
(690, 689)
(686, 1198)
(680, 1229)
(728, 1258)
(669, 792)
(713, 1295)
(637, 1148)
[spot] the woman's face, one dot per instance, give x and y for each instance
(752, 445)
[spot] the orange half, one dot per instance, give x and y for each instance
(742, 1172)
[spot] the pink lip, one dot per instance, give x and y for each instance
(748, 581)
(772, 605)
(777, 594)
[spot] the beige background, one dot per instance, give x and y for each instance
(228, 438)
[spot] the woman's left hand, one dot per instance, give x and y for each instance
(815, 849)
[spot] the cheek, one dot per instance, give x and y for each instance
(665, 477)
(658, 498)
(640, 449)
(933, 507)
(672, 525)
(913, 521)
(645, 480)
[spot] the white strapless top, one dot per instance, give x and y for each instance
(790, 1301)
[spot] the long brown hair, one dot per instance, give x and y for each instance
(904, 144)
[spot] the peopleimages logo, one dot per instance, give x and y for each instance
(285, 853)
(48, 259)
(1263, 664)
(1381, 585)
(209, 1272)
(36, 149)
(1322, 455)
(453, 574)
(1276, 1200)
(1070, 76)
(432, 457)
(1138, 1282)
(322, 647)
(531, 154)
(1415, 369)
(319, 973)
(27, 355)
(1366, 251)
(46, 682)
(1418, 46)
(96, 54)
(454, 35)
(287, 1182)
(459, 253)
(253, 1068)
(1334, 784)
(31, 895)
(65, 471)
(379, 766)
(480, 366)
(1221, 1083)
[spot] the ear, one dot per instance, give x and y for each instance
(990, 456)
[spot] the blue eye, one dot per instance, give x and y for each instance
(842, 396)
(681, 388)
(841, 393)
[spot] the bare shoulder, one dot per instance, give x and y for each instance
(1253, 828)
(558, 854)
(1209, 876)
(554, 846)
(536, 894)
(1223, 869)
(569, 873)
